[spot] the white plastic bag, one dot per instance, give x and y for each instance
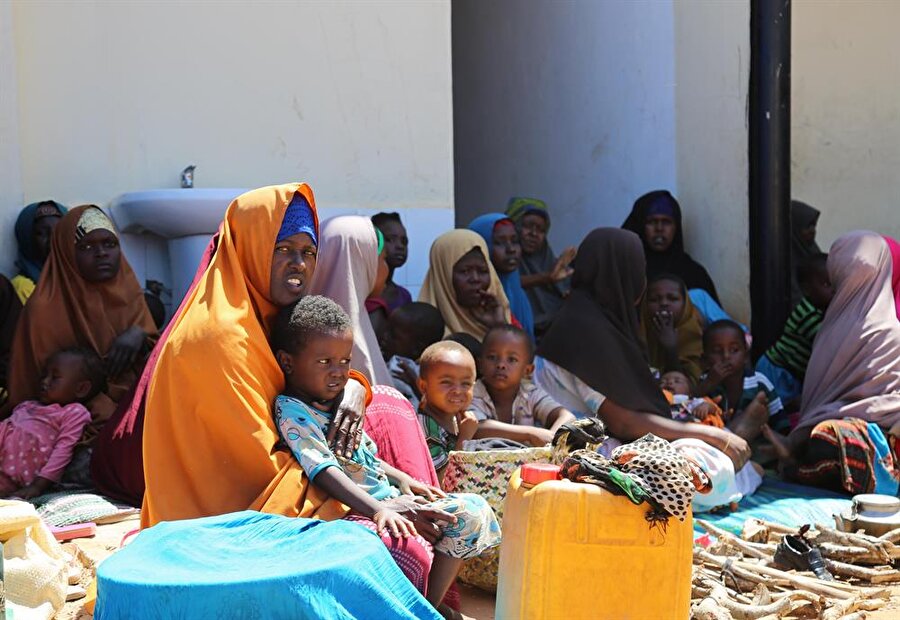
(34, 568)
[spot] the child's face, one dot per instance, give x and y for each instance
(401, 338)
(320, 369)
(665, 296)
(396, 243)
(41, 231)
(504, 360)
(675, 382)
(471, 278)
(727, 346)
(447, 384)
(506, 253)
(64, 381)
(819, 290)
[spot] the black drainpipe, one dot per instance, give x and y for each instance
(770, 169)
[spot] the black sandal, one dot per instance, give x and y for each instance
(795, 552)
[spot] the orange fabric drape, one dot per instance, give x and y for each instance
(210, 444)
(66, 310)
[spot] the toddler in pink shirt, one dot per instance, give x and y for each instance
(37, 440)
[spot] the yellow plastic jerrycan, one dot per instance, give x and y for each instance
(574, 550)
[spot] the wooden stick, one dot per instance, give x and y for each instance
(777, 527)
(741, 611)
(862, 573)
(856, 555)
(892, 537)
(875, 545)
(816, 586)
(742, 577)
(841, 608)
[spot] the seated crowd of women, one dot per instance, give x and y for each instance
(506, 343)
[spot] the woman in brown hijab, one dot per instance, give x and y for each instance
(592, 361)
(87, 296)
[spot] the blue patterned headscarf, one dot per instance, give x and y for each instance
(28, 262)
(512, 284)
(298, 218)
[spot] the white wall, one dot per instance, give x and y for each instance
(712, 74)
(11, 195)
(846, 114)
(589, 104)
(353, 97)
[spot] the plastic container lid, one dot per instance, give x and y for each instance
(536, 473)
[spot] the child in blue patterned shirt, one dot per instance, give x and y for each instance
(313, 341)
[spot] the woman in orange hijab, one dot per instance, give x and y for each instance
(209, 440)
(210, 444)
(87, 296)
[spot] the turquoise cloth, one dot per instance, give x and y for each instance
(884, 480)
(254, 565)
(709, 308)
(781, 502)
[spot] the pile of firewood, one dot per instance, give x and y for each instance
(736, 578)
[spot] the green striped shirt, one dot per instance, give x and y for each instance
(792, 350)
(440, 441)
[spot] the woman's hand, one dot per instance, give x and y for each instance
(124, 350)
(411, 486)
(396, 524)
(561, 270)
(734, 446)
(345, 433)
(426, 520)
(489, 312)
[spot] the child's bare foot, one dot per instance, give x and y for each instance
(787, 464)
(749, 422)
(782, 450)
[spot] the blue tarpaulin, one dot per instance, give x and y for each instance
(783, 503)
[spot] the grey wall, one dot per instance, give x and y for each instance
(572, 102)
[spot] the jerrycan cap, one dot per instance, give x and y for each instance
(535, 473)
